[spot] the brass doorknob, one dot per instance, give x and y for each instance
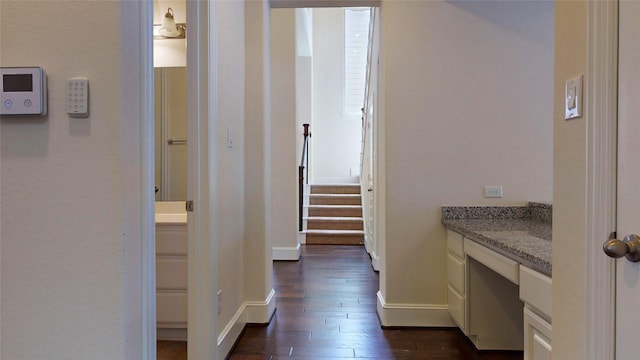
(628, 247)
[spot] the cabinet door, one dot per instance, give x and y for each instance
(455, 274)
(537, 337)
(457, 308)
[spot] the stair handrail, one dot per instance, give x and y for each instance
(304, 163)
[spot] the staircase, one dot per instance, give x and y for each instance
(335, 215)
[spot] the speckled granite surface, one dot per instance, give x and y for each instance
(522, 233)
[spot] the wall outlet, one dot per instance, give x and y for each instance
(219, 302)
(493, 191)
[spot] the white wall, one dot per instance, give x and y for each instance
(228, 164)
(304, 78)
(257, 251)
(71, 188)
(467, 102)
(336, 137)
(282, 135)
(304, 32)
(304, 103)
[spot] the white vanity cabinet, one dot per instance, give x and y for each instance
(535, 291)
(171, 281)
(457, 285)
(496, 301)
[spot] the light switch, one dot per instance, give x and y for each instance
(573, 98)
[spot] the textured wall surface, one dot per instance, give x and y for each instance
(467, 102)
(70, 193)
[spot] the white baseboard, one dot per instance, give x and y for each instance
(336, 180)
(171, 334)
(286, 253)
(259, 312)
(368, 243)
(231, 332)
(423, 315)
(375, 261)
(302, 238)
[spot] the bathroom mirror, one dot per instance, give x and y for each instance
(170, 133)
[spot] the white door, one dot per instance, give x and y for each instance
(628, 273)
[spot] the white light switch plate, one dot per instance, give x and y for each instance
(573, 98)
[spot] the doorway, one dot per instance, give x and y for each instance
(320, 56)
(170, 144)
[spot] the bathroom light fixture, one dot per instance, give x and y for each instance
(169, 29)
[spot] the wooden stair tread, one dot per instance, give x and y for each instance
(333, 195)
(333, 218)
(335, 232)
(335, 188)
(334, 199)
(334, 215)
(335, 206)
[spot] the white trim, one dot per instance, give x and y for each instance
(231, 332)
(368, 239)
(147, 174)
(302, 235)
(202, 222)
(322, 3)
(286, 253)
(336, 180)
(254, 312)
(601, 114)
(375, 261)
(172, 334)
(425, 315)
(260, 312)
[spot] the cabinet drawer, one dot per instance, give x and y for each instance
(171, 307)
(455, 272)
(535, 290)
(501, 264)
(455, 243)
(171, 239)
(457, 308)
(171, 273)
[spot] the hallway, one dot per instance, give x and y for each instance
(326, 309)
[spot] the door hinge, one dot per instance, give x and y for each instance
(189, 205)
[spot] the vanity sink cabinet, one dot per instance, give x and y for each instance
(496, 301)
(171, 281)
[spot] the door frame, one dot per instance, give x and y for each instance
(202, 273)
(601, 106)
(147, 174)
(601, 113)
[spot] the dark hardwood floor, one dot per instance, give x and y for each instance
(326, 309)
(171, 350)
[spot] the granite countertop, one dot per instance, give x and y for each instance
(522, 233)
